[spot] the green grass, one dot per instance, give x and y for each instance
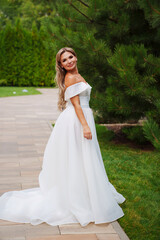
(9, 91)
(135, 174)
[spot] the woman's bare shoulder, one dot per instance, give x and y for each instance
(71, 79)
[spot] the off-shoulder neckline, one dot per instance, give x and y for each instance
(76, 84)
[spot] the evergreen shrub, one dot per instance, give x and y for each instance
(25, 61)
(135, 134)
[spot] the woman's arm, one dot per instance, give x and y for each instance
(76, 103)
(86, 129)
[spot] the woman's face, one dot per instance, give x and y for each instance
(68, 61)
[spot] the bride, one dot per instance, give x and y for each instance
(73, 184)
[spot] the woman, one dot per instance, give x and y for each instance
(73, 185)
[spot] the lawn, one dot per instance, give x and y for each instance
(134, 173)
(17, 91)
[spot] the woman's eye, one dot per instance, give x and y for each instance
(69, 57)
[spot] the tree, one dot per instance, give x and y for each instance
(28, 11)
(24, 59)
(118, 53)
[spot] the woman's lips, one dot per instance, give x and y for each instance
(70, 65)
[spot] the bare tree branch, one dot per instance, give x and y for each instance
(85, 4)
(91, 20)
(155, 10)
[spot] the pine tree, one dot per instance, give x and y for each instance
(117, 43)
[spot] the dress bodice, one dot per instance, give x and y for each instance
(82, 89)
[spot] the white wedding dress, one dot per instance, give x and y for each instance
(73, 184)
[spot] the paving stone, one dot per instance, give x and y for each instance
(8, 132)
(18, 179)
(8, 126)
(27, 165)
(25, 148)
(6, 155)
(12, 231)
(6, 223)
(9, 165)
(29, 185)
(28, 160)
(24, 141)
(6, 159)
(30, 168)
(13, 238)
(102, 236)
(90, 228)
(41, 230)
(67, 237)
(5, 139)
(8, 148)
(10, 186)
(34, 170)
(27, 153)
(30, 173)
(119, 230)
(6, 118)
(7, 173)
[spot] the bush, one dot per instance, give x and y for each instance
(3, 82)
(104, 134)
(135, 133)
(25, 60)
(152, 132)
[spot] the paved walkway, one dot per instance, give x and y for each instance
(25, 126)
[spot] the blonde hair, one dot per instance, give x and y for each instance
(60, 75)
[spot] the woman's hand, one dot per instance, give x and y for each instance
(87, 132)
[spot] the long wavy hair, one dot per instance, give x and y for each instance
(60, 75)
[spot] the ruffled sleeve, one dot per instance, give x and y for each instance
(75, 89)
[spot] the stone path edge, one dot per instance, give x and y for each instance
(119, 230)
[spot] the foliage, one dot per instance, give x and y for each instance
(104, 134)
(137, 86)
(117, 43)
(135, 133)
(152, 132)
(29, 11)
(25, 61)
